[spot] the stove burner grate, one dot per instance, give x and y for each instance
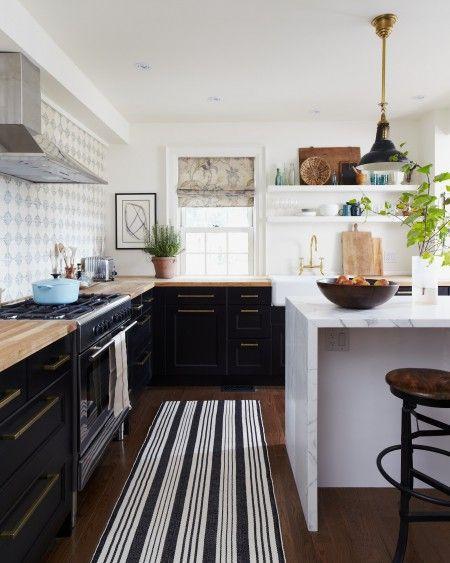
(28, 309)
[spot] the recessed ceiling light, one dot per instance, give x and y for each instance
(142, 66)
(214, 99)
(419, 97)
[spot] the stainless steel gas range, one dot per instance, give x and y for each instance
(99, 319)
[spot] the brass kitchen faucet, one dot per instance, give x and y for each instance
(311, 266)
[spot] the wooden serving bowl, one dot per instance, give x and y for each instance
(357, 296)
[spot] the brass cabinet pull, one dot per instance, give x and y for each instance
(145, 321)
(249, 345)
(59, 362)
(10, 395)
(206, 296)
(196, 310)
(149, 300)
(137, 307)
(249, 310)
(142, 362)
(11, 534)
(50, 402)
(250, 295)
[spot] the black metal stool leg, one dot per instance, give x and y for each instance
(407, 480)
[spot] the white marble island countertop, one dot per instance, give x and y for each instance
(399, 312)
(334, 397)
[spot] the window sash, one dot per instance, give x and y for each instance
(248, 230)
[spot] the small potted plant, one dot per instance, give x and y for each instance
(427, 218)
(163, 244)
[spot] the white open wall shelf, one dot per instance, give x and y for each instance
(340, 189)
(332, 219)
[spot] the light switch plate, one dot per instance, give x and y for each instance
(337, 340)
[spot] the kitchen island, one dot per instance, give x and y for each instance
(339, 410)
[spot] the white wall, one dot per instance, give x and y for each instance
(140, 166)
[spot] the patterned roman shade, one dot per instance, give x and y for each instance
(216, 182)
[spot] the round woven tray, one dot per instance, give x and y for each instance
(315, 171)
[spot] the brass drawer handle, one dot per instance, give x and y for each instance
(145, 321)
(59, 362)
(50, 402)
(142, 362)
(249, 345)
(187, 296)
(196, 310)
(11, 534)
(150, 300)
(249, 310)
(10, 395)
(252, 296)
(137, 307)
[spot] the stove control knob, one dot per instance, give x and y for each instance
(97, 330)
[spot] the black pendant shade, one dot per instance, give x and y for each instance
(383, 155)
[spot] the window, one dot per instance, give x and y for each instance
(218, 241)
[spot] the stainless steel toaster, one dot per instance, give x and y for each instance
(99, 268)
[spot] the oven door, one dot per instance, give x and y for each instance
(94, 370)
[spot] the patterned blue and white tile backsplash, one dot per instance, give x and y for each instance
(35, 216)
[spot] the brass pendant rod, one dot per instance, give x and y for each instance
(383, 26)
(383, 74)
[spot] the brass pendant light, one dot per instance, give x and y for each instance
(383, 155)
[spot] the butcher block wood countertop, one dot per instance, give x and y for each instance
(20, 339)
(134, 282)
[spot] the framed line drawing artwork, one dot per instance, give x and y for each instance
(135, 215)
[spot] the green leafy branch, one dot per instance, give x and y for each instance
(427, 219)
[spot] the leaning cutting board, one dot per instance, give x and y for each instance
(377, 267)
(357, 252)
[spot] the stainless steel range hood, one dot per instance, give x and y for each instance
(24, 152)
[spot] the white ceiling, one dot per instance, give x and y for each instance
(267, 59)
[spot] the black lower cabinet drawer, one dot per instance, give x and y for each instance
(36, 515)
(13, 389)
(30, 427)
(248, 322)
(140, 371)
(46, 366)
(249, 358)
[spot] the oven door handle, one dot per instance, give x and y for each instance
(99, 350)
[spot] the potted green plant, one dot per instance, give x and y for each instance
(428, 221)
(163, 244)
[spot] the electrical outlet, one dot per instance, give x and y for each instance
(390, 257)
(338, 340)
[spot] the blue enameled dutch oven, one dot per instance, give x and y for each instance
(55, 292)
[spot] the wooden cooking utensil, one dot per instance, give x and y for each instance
(357, 252)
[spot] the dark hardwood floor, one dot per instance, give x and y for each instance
(356, 525)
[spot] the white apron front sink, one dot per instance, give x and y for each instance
(293, 286)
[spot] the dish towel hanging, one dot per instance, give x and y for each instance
(119, 398)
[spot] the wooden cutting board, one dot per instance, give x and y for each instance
(377, 267)
(357, 252)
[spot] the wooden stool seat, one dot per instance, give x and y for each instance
(422, 383)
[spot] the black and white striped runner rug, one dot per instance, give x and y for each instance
(200, 490)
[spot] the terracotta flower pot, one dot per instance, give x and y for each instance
(164, 267)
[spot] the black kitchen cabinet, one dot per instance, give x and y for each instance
(407, 290)
(214, 336)
(140, 342)
(37, 444)
(195, 340)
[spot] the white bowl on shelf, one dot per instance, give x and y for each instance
(309, 212)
